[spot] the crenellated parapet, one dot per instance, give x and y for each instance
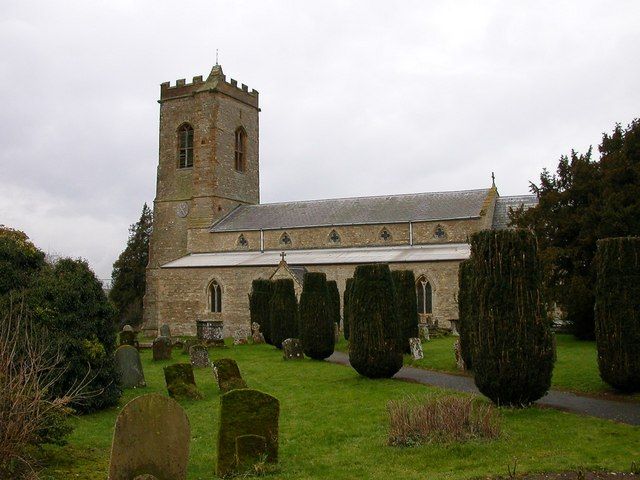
(215, 82)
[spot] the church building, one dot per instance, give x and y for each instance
(212, 236)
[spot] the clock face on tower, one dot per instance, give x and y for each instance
(182, 210)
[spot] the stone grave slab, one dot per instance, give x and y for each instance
(228, 375)
(150, 440)
(180, 381)
(162, 348)
(292, 349)
(416, 348)
(130, 367)
(199, 356)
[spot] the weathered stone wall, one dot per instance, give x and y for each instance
(183, 293)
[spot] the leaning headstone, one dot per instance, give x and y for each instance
(199, 356)
(256, 334)
(292, 349)
(416, 348)
(150, 440)
(180, 381)
(239, 337)
(458, 353)
(162, 348)
(228, 375)
(165, 331)
(243, 413)
(423, 329)
(130, 367)
(128, 336)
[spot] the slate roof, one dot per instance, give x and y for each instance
(355, 211)
(501, 213)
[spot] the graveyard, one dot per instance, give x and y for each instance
(334, 424)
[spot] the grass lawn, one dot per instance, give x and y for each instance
(576, 367)
(333, 425)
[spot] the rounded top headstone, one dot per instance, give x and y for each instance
(127, 328)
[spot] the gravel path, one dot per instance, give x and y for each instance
(624, 412)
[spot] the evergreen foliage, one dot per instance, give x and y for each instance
(513, 350)
(283, 311)
(467, 297)
(585, 200)
(334, 301)
(259, 306)
(617, 312)
(68, 301)
(407, 301)
(317, 330)
(346, 303)
(20, 261)
(375, 337)
(129, 271)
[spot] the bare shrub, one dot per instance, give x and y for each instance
(413, 421)
(28, 416)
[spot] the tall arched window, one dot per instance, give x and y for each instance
(425, 298)
(241, 141)
(215, 300)
(185, 146)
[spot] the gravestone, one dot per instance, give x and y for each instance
(458, 353)
(199, 356)
(257, 336)
(128, 336)
(416, 348)
(181, 382)
(228, 375)
(423, 329)
(162, 348)
(239, 337)
(210, 332)
(150, 440)
(188, 343)
(292, 349)
(165, 331)
(130, 367)
(243, 413)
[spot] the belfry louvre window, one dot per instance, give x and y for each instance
(216, 297)
(425, 299)
(185, 150)
(241, 140)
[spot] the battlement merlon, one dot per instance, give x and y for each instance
(215, 82)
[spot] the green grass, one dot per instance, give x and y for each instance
(333, 425)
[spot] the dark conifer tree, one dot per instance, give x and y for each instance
(317, 325)
(467, 298)
(283, 311)
(259, 306)
(407, 301)
(334, 300)
(346, 303)
(375, 336)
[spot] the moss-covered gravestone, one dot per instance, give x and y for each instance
(180, 381)
(415, 345)
(130, 367)
(199, 356)
(245, 416)
(150, 440)
(187, 343)
(162, 348)
(228, 375)
(165, 331)
(292, 349)
(128, 336)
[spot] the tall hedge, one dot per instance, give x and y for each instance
(513, 349)
(259, 306)
(346, 303)
(317, 329)
(334, 301)
(375, 337)
(617, 312)
(404, 282)
(283, 312)
(466, 304)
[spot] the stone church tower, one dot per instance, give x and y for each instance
(208, 165)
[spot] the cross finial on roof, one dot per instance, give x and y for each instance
(493, 180)
(217, 56)
(282, 255)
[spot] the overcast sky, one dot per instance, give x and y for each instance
(358, 98)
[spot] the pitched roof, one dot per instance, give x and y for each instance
(355, 211)
(501, 214)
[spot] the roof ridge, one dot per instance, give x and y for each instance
(369, 196)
